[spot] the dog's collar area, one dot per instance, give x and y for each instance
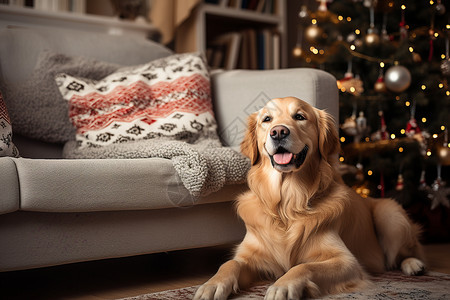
(283, 159)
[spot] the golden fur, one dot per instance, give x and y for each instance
(305, 228)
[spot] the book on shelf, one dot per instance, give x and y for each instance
(227, 47)
(248, 49)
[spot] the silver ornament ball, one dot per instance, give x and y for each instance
(397, 79)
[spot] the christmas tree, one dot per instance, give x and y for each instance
(391, 59)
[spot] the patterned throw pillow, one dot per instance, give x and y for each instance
(168, 97)
(7, 147)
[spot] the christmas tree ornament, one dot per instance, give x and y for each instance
(372, 39)
(359, 172)
(443, 151)
(438, 192)
(412, 128)
(297, 51)
(397, 78)
(403, 28)
(315, 34)
(400, 183)
(349, 126)
(350, 84)
(303, 14)
(440, 8)
(361, 127)
(381, 134)
(384, 34)
(380, 85)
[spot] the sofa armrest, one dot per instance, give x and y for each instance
(237, 94)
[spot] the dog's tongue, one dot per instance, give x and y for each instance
(282, 158)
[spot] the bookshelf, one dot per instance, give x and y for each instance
(255, 30)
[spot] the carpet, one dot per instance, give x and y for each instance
(391, 285)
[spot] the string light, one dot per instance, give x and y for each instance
(435, 136)
(402, 131)
(400, 149)
(341, 159)
(342, 139)
(411, 49)
(340, 18)
(314, 21)
(382, 64)
(424, 120)
(428, 152)
(442, 127)
(357, 31)
(407, 103)
(441, 85)
(403, 7)
(423, 87)
(393, 136)
(369, 172)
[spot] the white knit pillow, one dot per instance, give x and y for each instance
(168, 97)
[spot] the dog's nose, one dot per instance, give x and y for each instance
(279, 132)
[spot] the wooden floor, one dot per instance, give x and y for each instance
(126, 277)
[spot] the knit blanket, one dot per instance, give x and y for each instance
(204, 167)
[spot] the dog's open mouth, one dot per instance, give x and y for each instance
(284, 158)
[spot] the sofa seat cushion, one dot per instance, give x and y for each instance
(88, 185)
(9, 186)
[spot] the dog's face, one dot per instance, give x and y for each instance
(289, 132)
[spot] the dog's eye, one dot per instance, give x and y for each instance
(267, 119)
(299, 117)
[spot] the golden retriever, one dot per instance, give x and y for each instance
(305, 228)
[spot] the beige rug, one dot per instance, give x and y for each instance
(391, 285)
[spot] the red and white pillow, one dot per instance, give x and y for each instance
(168, 97)
(7, 147)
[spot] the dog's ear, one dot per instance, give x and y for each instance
(328, 135)
(249, 145)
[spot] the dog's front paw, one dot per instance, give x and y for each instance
(292, 290)
(413, 266)
(211, 291)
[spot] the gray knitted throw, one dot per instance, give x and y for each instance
(204, 167)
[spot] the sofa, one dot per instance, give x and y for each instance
(56, 210)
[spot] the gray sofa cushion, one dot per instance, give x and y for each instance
(101, 185)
